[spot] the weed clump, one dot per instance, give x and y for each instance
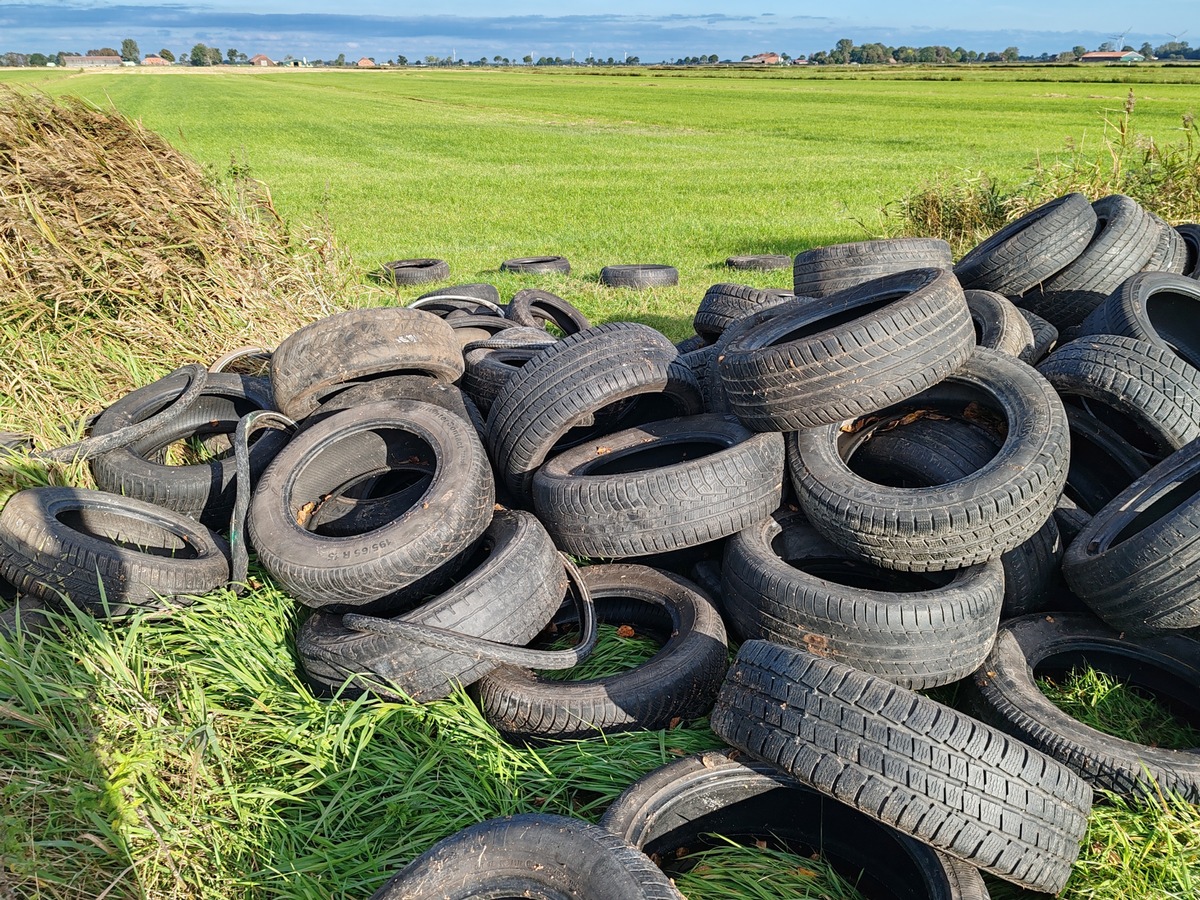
(125, 257)
(1163, 178)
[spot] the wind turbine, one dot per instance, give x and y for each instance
(1119, 39)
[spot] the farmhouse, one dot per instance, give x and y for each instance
(1110, 56)
(90, 62)
(154, 61)
(366, 63)
(261, 59)
(765, 59)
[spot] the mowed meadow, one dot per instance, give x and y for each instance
(183, 756)
(628, 167)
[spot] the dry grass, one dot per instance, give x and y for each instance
(122, 255)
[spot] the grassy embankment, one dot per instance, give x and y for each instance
(183, 757)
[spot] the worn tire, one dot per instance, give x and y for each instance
(949, 526)
(678, 683)
(322, 356)
(1005, 694)
(672, 811)
(414, 271)
(998, 324)
(660, 486)
(1030, 249)
(837, 267)
(572, 382)
(783, 582)
(639, 276)
(372, 567)
(925, 769)
(530, 855)
(206, 490)
(724, 304)
(537, 265)
(1148, 395)
(107, 554)
(1170, 253)
(849, 354)
(1157, 307)
(486, 372)
(1045, 337)
(513, 585)
(540, 309)
(1134, 564)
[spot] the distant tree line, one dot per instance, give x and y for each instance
(845, 52)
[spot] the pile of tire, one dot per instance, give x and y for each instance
(887, 480)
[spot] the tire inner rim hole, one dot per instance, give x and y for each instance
(1153, 508)
(1119, 422)
(128, 533)
(653, 455)
(864, 576)
(1123, 696)
(632, 631)
(839, 319)
(1174, 318)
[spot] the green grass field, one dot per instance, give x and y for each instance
(182, 756)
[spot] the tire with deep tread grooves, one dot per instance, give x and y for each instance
(660, 486)
(848, 354)
(572, 381)
(1030, 249)
(1006, 695)
(674, 808)
(1134, 564)
(837, 267)
(724, 304)
(110, 555)
(678, 683)
(360, 343)
(1124, 239)
(783, 582)
(971, 520)
(530, 855)
(1148, 395)
(375, 566)
(930, 771)
(507, 597)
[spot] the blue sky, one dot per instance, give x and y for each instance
(650, 30)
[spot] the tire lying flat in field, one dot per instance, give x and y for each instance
(819, 362)
(673, 810)
(762, 262)
(537, 265)
(639, 276)
(414, 271)
(108, 554)
(923, 768)
(1006, 694)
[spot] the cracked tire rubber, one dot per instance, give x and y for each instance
(1135, 563)
(658, 487)
(998, 324)
(539, 309)
(515, 585)
(849, 354)
(1124, 239)
(1148, 395)
(568, 386)
(828, 270)
(206, 490)
(356, 345)
(1006, 695)
(923, 768)
(724, 304)
(537, 265)
(781, 581)
(530, 855)
(110, 555)
(373, 566)
(1029, 250)
(414, 271)
(678, 683)
(639, 276)
(1156, 307)
(933, 450)
(674, 809)
(963, 522)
